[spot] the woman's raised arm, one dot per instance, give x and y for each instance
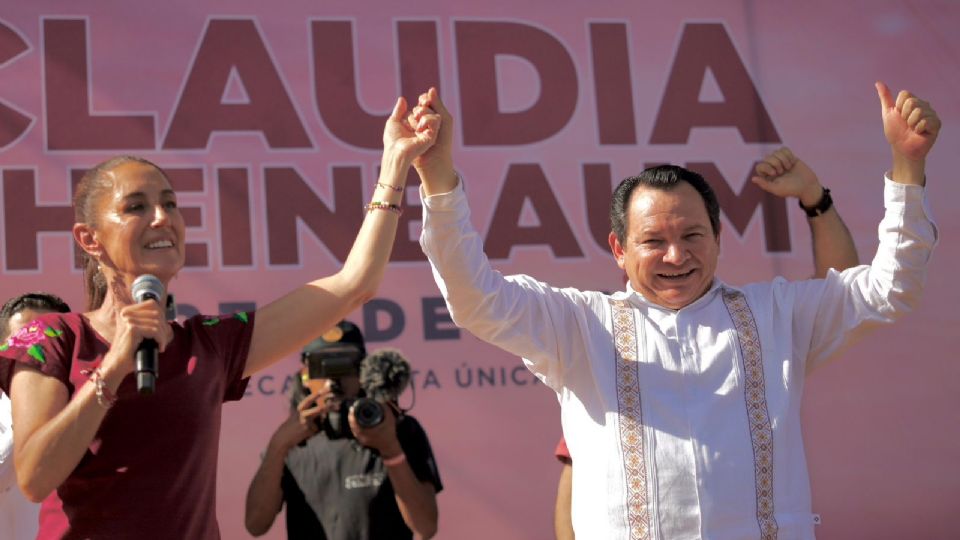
(285, 325)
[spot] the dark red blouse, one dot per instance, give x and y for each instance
(151, 471)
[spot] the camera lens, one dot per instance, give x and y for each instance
(367, 412)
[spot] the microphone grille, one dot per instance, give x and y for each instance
(384, 373)
(146, 287)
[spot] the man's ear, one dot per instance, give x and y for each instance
(616, 248)
(87, 240)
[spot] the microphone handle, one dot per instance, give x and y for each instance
(146, 366)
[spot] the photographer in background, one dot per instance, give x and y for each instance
(348, 462)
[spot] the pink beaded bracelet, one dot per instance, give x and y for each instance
(395, 460)
(105, 397)
(383, 205)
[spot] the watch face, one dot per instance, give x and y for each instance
(824, 204)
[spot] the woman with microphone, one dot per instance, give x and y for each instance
(108, 462)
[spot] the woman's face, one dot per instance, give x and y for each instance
(138, 226)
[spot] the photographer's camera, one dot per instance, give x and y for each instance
(359, 383)
(367, 412)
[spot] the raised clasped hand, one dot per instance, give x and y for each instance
(410, 133)
(438, 159)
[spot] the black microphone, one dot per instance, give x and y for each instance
(147, 287)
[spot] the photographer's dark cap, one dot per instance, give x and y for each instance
(344, 335)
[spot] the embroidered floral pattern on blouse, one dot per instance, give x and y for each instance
(30, 337)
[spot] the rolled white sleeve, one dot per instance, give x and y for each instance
(857, 300)
(542, 324)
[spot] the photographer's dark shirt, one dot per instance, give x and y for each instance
(337, 489)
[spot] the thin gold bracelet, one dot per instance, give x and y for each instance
(398, 189)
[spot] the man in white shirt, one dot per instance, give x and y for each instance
(19, 518)
(782, 174)
(680, 396)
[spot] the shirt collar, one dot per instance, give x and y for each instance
(637, 298)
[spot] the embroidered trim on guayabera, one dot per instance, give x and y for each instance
(761, 431)
(631, 420)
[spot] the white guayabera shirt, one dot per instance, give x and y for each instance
(689, 425)
(7, 476)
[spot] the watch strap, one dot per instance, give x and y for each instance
(824, 204)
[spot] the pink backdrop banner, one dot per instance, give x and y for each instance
(268, 117)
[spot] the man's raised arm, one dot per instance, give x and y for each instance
(784, 175)
(435, 166)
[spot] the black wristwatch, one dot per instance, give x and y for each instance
(824, 204)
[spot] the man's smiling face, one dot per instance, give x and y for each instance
(669, 250)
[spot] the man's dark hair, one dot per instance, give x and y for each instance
(665, 178)
(37, 301)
